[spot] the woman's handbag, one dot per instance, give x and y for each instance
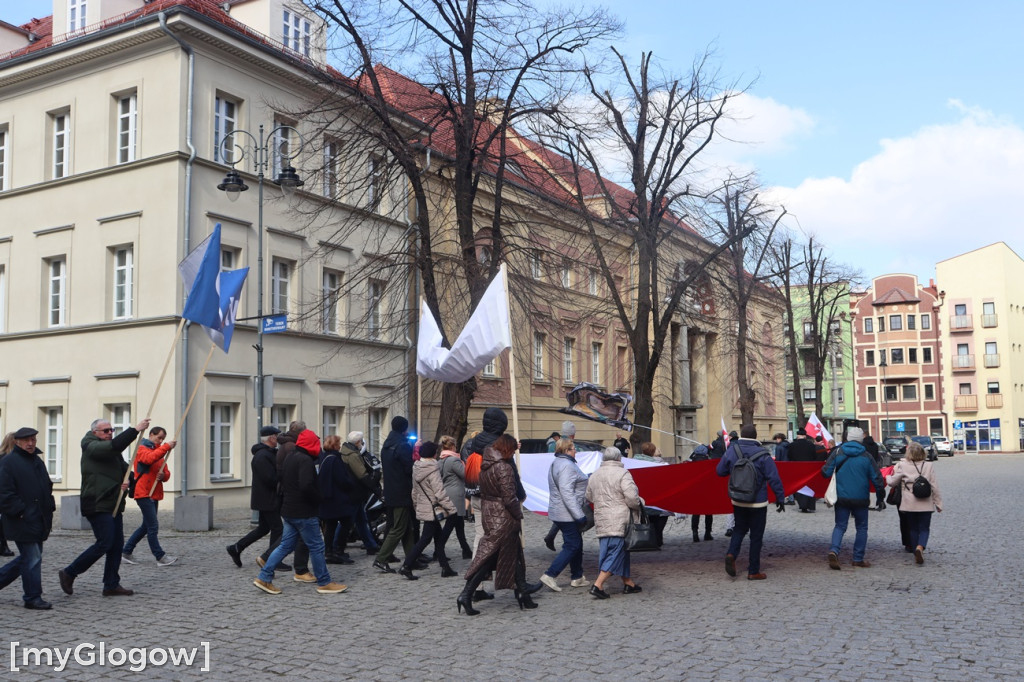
(895, 495)
(640, 533)
(831, 493)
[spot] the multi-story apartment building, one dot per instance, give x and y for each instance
(112, 118)
(838, 399)
(899, 379)
(984, 369)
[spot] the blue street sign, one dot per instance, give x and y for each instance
(899, 427)
(275, 323)
(957, 424)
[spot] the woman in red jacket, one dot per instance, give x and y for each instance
(149, 467)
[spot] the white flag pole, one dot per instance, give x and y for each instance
(419, 381)
(511, 362)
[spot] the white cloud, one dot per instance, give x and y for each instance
(942, 191)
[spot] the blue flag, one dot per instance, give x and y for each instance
(230, 288)
(213, 295)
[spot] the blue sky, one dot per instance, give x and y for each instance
(892, 131)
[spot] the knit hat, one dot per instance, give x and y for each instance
(428, 449)
(400, 424)
(308, 441)
(855, 433)
(568, 429)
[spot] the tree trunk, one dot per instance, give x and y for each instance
(455, 403)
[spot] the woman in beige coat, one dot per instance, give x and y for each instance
(918, 510)
(432, 506)
(614, 494)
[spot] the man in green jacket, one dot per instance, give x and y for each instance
(103, 470)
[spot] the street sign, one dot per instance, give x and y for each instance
(275, 323)
(899, 427)
(957, 424)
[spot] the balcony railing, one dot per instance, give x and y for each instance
(991, 359)
(993, 400)
(963, 363)
(989, 320)
(965, 403)
(961, 323)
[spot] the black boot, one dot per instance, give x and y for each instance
(446, 569)
(524, 589)
(465, 598)
(696, 536)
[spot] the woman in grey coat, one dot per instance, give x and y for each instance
(567, 490)
(453, 475)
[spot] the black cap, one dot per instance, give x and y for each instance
(269, 431)
(24, 432)
(400, 424)
(428, 449)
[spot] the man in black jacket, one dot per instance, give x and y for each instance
(802, 450)
(396, 464)
(27, 506)
(300, 501)
(264, 498)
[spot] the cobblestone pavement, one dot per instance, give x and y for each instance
(957, 617)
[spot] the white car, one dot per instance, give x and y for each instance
(943, 446)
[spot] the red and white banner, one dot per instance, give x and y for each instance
(814, 427)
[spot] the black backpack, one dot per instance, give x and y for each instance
(744, 479)
(922, 488)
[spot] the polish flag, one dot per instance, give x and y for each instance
(815, 427)
(725, 433)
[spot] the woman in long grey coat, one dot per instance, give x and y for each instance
(453, 475)
(614, 494)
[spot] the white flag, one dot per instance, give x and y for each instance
(814, 427)
(486, 334)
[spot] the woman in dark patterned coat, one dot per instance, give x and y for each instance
(500, 549)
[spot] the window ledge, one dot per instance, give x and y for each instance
(217, 481)
(540, 382)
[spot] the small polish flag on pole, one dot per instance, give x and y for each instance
(725, 433)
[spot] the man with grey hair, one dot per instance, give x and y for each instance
(263, 498)
(103, 479)
(855, 471)
(367, 482)
(569, 432)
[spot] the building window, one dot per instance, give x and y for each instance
(538, 356)
(839, 395)
(490, 369)
(566, 274)
(810, 394)
(221, 426)
(890, 394)
(595, 363)
(909, 392)
(593, 282)
(896, 356)
(375, 425)
(280, 281)
(912, 356)
(535, 269)
(988, 308)
(3, 160)
(881, 357)
(281, 416)
(332, 167)
(3, 301)
(869, 325)
(808, 332)
(53, 441)
(225, 119)
(960, 309)
(61, 127)
(881, 324)
(926, 321)
(926, 355)
(929, 391)
(56, 292)
(122, 290)
(374, 299)
(568, 350)
(895, 323)
(872, 394)
(331, 301)
(992, 387)
(375, 181)
(789, 396)
(127, 127)
(965, 389)
(911, 322)
(296, 32)
(228, 259)
(77, 15)
(332, 421)
(869, 358)
(282, 151)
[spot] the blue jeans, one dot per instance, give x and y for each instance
(752, 520)
(28, 564)
(920, 528)
(860, 520)
(363, 529)
(309, 531)
(150, 527)
(109, 532)
(572, 551)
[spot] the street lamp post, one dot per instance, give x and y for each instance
(263, 155)
(885, 399)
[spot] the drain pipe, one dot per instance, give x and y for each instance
(186, 241)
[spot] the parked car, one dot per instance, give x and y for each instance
(896, 446)
(928, 445)
(943, 445)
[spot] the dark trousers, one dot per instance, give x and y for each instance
(695, 524)
(150, 528)
(269, 522)
(28, 564)
(109, 532)
(430, 531)
(752, 520)
(806, 503)
(400, 529)
(458, 524)
(336, 532)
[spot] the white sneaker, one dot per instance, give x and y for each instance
(129, 559)
(166, 560)
(550, 582)
(580, 582)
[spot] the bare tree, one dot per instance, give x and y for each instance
(474, 69)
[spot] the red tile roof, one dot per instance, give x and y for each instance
(895, 295)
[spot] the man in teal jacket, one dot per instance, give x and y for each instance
(855, 470)
(103, 469)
